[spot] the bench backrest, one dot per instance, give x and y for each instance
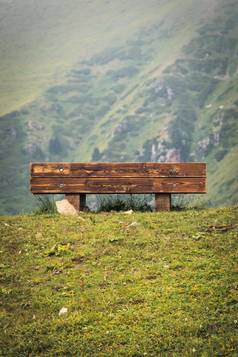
(118, 177)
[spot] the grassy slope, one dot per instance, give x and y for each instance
(166, 286)
(39, 41)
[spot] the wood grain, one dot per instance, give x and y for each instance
(118, 185)
(86, 170)
(77, 200)
(162, 202)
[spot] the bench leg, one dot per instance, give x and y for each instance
(77, 200)
(162, 202)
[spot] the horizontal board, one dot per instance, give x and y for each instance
(117, 185)
(58, 169)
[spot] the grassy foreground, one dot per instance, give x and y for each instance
(144, 284)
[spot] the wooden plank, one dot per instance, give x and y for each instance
(117, 185)
(77, 200)
(162, 202)
(118, 169)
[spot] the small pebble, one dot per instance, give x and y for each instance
(63, 311)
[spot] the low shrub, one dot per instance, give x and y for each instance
(110, 203)
(45, 205)
(188, 201)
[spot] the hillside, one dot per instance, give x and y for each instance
(40, 40)
(165, 90)
(144, 284)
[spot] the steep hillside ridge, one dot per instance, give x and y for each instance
(167, 94)
(191, 106)
(40, 40)
(57, 126)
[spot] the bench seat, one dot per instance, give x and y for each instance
(78, 179)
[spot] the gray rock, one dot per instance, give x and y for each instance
(65, 208)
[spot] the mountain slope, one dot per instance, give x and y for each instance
(40, 40)
(167, 93)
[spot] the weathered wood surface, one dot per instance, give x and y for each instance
(86, 170)
(162, 202)
(77, 200)
(118, 185)
(77, 179)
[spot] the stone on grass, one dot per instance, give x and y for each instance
(65, 208)
(63, 311)
(133, 224)
(128, 212)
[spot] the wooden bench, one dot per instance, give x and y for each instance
(75, 180)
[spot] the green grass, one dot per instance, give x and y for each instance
(45, 205)
(166, 286)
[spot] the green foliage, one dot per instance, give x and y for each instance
(128, 72)
(59, 250)
(45, 205)
(183, 202)
(180, 132)
(110, 203)
(58, 145)
(96, 155)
